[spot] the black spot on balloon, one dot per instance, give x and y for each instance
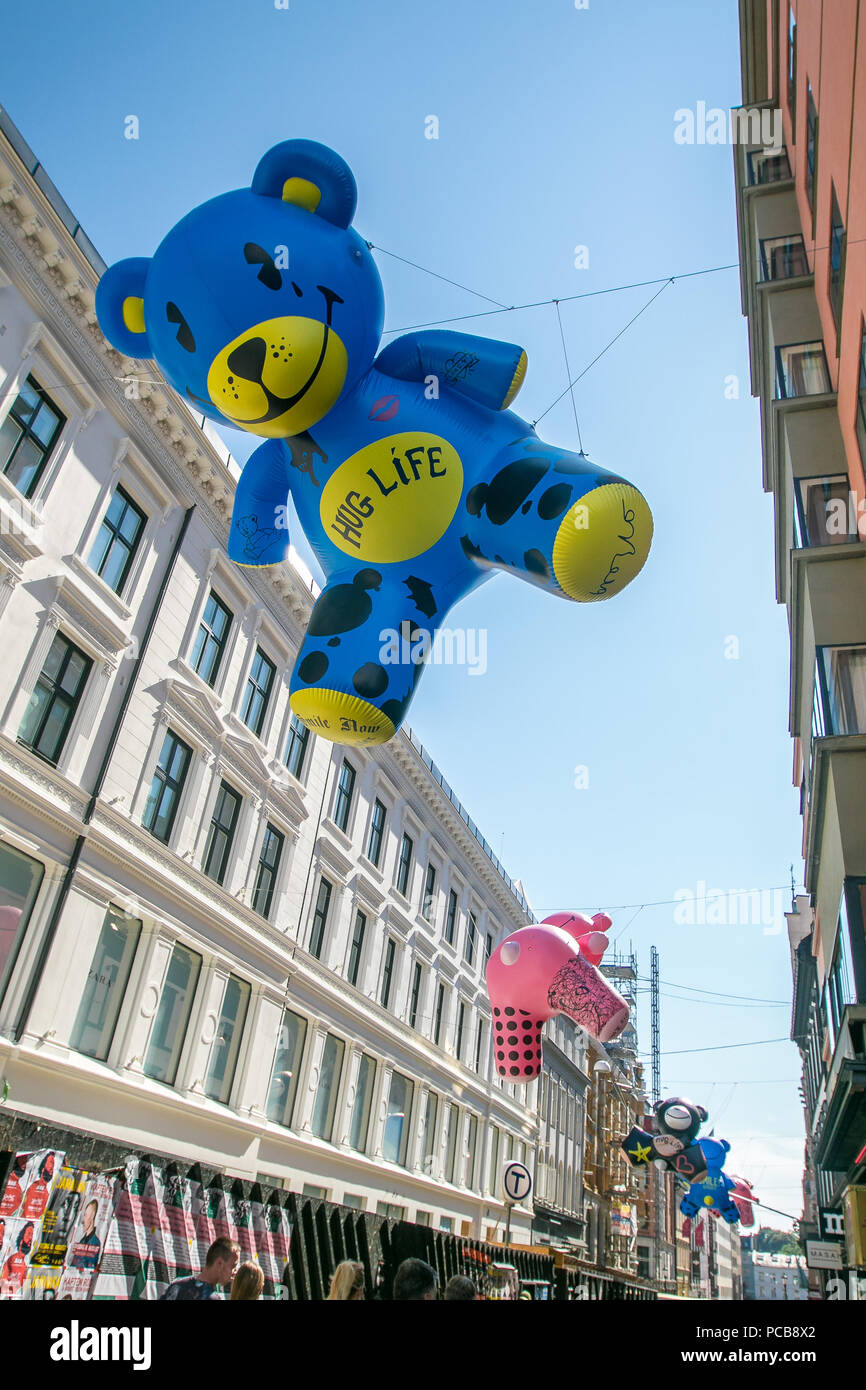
(509, 1013)
(515, 1071)
(536, 563)
(334, 642)
(313, 667)
(511, 487)
(529, 1071)
(554, 501)
(370, 680)
(514, 1056)
(475, 499)
(344, 607)
(527, 507)
(422, 593)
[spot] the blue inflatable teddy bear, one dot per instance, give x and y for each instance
(412, 480)
(714, 1189)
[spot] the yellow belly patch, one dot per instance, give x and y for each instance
(342, 718)
(394, 499)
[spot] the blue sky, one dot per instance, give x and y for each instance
(555, 131)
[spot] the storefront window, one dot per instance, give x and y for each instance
(286, 1069)
(170, 1025)
(329, 1082)
(105, 985)
(397, 1115)
(20, 880)
(226, 1045)
(363, 1101)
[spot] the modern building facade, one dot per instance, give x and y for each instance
(781, 1278)
(801, 211)
(221, 938)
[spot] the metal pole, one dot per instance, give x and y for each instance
(507, 1224)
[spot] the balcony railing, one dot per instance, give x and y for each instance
(767, 166)
(801, 370)
(823, 512)
(783, 257)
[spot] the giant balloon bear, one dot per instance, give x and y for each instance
(672, 1140)
(412, 480)
(547, 969)
(714, 1190)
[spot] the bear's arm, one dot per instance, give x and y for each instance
(483, 369)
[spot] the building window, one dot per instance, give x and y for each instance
(20, 880)
(296, 747)
(114, 548)
(329, 1083)
(377, 834)
(428, 1137)
(768, 166)
(841, 685)
(354, 1200)
(838, 987)
(783, 257)
(479, 1044)
(356, 947)
(345, 792)
(227, 1043)
(320, 918)
(318, 1194)
(391, 1211)
(823, 514)
(266, 873)
(55, 699)
(451, 918)
(792, 71)
(461, 1019)
(106, 983)
(493, 1176)
(361, 1107)
(172, 1017)
(388, 971)
(222, 832)
(404, 865)
(811, 146)
(286, 1070)
(451, 1144)
(471, 932)
(488, 947)
(28, 435)
(471, 1152)
(166, 787)
(801, 370)
(258, 692)
(395, 1138)
(429, 894)
(211, 639)
(437, 1021)
(415, 995)
(836, 270)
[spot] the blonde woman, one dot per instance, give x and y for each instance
(347, 1284)
(248, 1282)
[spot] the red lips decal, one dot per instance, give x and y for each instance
(385, 408)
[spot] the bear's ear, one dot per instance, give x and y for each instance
(311, 176)
(120, 306)
(702, 1112)
(725, 1145)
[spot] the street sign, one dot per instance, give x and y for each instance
(822, 1254)
(516, 1182)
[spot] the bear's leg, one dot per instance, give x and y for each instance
(259, 532)
(366, 642)
(557, 520)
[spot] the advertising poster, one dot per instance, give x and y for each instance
(85, 1245)
(184, 1250)
(42, 1283)
(279, 1227)
(60, 1216)
(205, 1230)
(157, 1236)
(224, 1215)
(75, 1284)
(246, 1236)
(13, 1190)
(121, 1272)
(29, 1183)
(18, 1238)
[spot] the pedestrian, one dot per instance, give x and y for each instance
(220, 1264)
(248, 1282)
(460, 1290)
(347, 1284)
(415, 1281)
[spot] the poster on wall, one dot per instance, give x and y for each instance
(179, 1192)
(87, 1241)
(42, 1283)
(123, 1269)
(276, 1254)
(60, 1216)
(18, 1238)
(29, 1183)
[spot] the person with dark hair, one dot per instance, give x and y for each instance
(460, 1290)
(88, 1246)
(415, 1281)
(220, 1264)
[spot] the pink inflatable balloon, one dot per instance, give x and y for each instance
(742, 1195)
(588, 932)
(544, 970)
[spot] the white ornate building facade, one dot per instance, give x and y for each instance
(221, 938)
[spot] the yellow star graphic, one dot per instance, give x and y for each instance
(641, 1152)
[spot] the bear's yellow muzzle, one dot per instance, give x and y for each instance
(279, 377)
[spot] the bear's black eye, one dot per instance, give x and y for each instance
(269, 275)
(184, 332)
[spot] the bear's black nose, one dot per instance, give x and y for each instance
(248, 359)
